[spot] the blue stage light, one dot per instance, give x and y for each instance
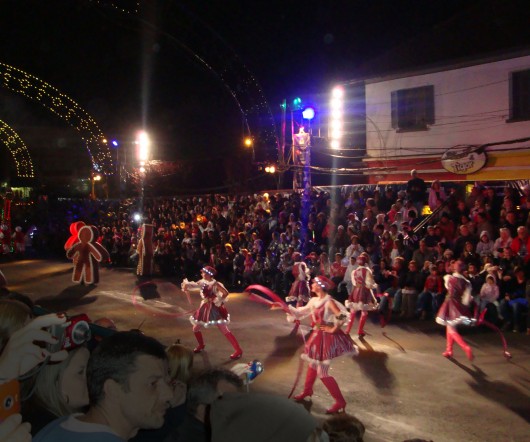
(308, 113)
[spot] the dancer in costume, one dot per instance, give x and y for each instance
(455, 309)
(212, 310)
(299, 291)
(361, 297)
(327, 340)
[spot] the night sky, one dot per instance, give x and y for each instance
(131, 69)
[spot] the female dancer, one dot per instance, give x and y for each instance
(327, 340)
(455, 310)
(212, 310)
(299, 291)
(361, 298)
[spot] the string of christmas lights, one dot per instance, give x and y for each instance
(35, 89)
(18, 150)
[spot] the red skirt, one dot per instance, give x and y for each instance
(453, 313)
(361, 298)
(209, 314)
(322, 347)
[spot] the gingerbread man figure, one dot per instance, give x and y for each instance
(87, 254)
(145, 252)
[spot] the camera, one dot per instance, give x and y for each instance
(255, 369)
(76, 333)
(10, 399)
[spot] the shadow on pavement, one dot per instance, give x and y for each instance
(504, 394)
(73, 296)
(148, 289)
(373, 365)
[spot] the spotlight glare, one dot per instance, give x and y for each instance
(335, 144)
(338, 92)
(336, 134)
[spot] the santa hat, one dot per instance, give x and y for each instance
(210, 270)
(240, 417)
(326, 283)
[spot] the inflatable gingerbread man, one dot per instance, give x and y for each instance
(87, 254)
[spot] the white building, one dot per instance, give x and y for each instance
(473, 112)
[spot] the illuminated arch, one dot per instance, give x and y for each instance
(18, 150)
(207, 48)
(65, 108)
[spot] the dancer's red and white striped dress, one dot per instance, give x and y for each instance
(455, 309)
(322, 347)
(212, 310)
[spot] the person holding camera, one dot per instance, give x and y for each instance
(60, 389)
(19, 354)
(128, 389)
(327, 340)
(212, 310)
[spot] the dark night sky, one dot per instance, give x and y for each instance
(100, 56)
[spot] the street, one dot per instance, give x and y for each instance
(399, 385)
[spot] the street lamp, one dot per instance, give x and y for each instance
(94, 177)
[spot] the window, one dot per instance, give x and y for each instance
(520, 96)
(412, 109)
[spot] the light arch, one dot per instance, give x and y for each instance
(35, 89)
(18, 150)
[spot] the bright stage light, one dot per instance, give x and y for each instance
(336, 105)
(308, 113)
(137, 217)
(114, 143)
(144, 143)
(337, 92)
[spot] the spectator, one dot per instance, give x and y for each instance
(489, 296)
(127, 389)
(203, 390)
(60, 389)
(416, 189)
(436, 196)
(343, 428)
(180, 360)
(431, 298)
(514, 303)
(504, 240)
(238, 417)
(521, 246)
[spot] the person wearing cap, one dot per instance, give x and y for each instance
(361, 297)
(327, 340)
(212, 310)
(455, 310)
(299, 291)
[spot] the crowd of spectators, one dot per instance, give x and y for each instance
(250, 239)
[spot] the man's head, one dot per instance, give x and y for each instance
(207, 387)
(127, 377)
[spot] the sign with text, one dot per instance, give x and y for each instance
(464, 159)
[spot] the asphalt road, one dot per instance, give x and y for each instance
(399, 385)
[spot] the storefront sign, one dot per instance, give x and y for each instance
(464, 159)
